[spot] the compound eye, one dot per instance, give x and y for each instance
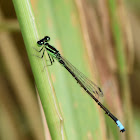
(40, 42)
(47, 38)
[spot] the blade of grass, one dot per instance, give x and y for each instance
(30, 35)
(64, 27)
(20, 82)
(121, 61)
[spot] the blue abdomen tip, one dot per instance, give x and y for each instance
(120, 126)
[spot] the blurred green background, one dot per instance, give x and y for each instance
(100, 38)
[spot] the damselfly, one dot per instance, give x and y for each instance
(91, 88)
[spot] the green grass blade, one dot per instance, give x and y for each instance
(61, 22)
(30, 35)
(122, 68)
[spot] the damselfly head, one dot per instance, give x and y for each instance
(46, 38)
(43, 41)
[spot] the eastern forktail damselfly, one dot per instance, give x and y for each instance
(91, 88)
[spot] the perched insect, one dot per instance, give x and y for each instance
(91, 88)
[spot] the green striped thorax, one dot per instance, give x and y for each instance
(50, 49)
